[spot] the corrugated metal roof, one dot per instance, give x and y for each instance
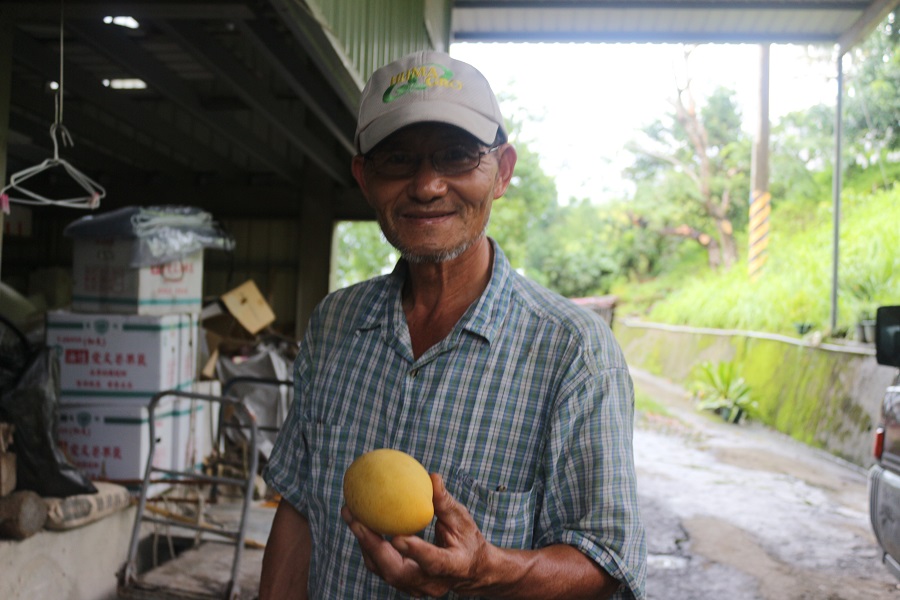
(841, 22)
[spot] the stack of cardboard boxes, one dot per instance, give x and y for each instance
(131, 333)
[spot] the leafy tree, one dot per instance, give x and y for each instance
(801, 156)
(515, 216)
(873, 92)
(571, 254)
(872, 108)
(803, 142)
(360, 252)
(641, 252)
(692, 166)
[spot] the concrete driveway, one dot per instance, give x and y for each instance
(746, 513)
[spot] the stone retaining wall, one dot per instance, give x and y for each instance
(825, 395)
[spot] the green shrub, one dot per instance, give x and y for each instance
(720, 388)
(795, 286)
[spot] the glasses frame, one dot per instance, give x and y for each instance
(368, 156)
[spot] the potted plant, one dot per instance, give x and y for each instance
(865, 327)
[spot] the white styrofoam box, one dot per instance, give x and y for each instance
(122, 357)
(111, 440)
(104, 281)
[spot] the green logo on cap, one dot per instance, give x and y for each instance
(420, 78)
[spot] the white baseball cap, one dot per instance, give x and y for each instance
(427, 87)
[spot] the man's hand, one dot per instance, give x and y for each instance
(456, 561)
(461, 560)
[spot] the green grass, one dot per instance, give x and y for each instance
(796, 284)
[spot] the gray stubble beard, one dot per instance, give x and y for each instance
(439, 257)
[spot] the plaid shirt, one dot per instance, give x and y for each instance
(525, 409)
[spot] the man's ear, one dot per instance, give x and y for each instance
(506, 165)
(358, 168)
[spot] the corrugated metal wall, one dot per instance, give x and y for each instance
(266, 251)
(375, 32)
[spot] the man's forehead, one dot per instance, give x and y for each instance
(429, 132)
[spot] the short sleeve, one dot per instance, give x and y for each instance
(591, 491)
(288, 466)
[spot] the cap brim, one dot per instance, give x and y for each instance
(483, 128)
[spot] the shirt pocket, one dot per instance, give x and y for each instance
(505, 518)
(330, 450)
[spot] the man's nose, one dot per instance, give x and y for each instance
(427, 184)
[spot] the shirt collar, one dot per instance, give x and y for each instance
(483, 318)
(486, 315)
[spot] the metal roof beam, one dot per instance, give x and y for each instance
(246, 85)
(870, 19)
(115, 44)
(655, 37)
(115, 142)
(315, 40)
(672, 21)
(88, 158)
(148, 9)
(84, 84)
(301, 79)
(636, 5)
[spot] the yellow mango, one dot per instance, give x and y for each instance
(389, 492)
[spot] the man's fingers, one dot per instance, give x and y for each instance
(446, 508)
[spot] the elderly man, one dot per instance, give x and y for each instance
(518, 402)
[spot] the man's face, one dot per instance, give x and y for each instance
(429, 215)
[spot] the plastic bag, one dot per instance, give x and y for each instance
(163, 233)
(33, 407)
(253, 381)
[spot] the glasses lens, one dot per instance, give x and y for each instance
(449, 161)
(456, 159)
(394, 163)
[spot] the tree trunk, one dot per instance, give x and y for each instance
(713, 248)
(724, 251)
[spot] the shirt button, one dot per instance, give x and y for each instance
(414, 373)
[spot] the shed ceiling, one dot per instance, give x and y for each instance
(245, 114)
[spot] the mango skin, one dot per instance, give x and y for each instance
(389, 492)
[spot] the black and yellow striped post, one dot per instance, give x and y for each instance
(760, 198)
(760, 208)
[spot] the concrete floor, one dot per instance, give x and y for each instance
(747, 513)
(81, 563)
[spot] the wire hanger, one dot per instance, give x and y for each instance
(93, 190)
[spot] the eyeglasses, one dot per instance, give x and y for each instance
(454, 160)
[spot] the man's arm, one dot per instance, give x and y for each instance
(285, 568)
(461, 560)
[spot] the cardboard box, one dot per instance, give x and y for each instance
(238, 314)
(111, 440)
(122, 357)
(104, 281)
(233, 321)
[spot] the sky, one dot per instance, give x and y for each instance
(588, 100)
